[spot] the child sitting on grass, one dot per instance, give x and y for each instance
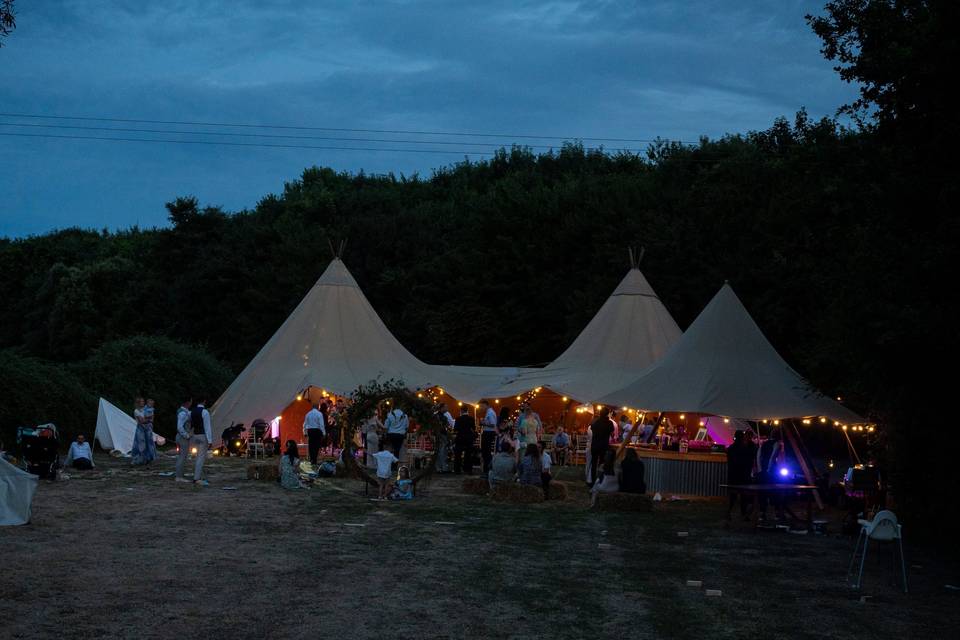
(403, 490)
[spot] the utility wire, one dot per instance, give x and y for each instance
(271, 135)
(242, 144)
(308, 128)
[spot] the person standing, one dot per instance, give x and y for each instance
(465, 430)
(315, 429)
(740, 460)
(561, 444)
(397, 424)
(625, 427)
(144, 450)
(601, 429)
(443, 438)
(488, 435)
(530, 426)
(183, 437)
(334, 428)
(201, 438)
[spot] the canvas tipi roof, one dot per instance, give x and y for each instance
(335, 340)
(724, 365)
(16, 494)
(631, 331)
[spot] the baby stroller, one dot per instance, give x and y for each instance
(39, 450)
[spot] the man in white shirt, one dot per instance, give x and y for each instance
(80, 455)
(315, 429)
(183, 437)
(202, 436)
(397, 424)
(488, 435)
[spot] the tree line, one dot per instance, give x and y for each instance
(839, 241)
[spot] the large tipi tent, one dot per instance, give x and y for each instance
(334, 340)
(631, 331)
(116, 429)
(724, 366)
(16, 494)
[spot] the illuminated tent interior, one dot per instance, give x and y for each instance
(630, 332)
(723, 365)
(334, 342)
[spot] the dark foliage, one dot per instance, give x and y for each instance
(839, 242)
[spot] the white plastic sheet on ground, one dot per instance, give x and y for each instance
(16, 494)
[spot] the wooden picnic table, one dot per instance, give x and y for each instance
(783, 491)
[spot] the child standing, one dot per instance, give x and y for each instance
(385, 460)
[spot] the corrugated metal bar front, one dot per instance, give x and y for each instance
(687, 477)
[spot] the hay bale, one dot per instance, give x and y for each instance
(623, 502)
(558, 490)
(477, 486)
(263, 472)
(517, 493)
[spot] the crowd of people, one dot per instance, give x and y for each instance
(512, 446)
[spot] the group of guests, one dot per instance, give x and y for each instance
(321, 428)
(748, 462)
(533, 468)
(194, 433)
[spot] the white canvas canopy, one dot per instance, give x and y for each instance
(16, 494)
(116, 429)
(334, 340)
(631, 331)
(724, 366)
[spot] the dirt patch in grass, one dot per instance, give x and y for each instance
(123, 553)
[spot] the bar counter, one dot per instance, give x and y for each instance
(693, 473)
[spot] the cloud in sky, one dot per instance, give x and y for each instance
(560, 68)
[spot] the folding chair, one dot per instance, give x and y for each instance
(883, 528)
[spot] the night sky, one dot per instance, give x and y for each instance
(562, 70)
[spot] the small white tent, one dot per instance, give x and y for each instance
(115, 429)
(16, 494)
(723, 365)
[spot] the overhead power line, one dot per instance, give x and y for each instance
(270, 135)
(463, 134)
(242, 144)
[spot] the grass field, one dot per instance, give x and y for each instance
(128, 554)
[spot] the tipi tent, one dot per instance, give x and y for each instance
(16, 494)
(334, 340)
(115, 429)
(724, 366)
(631, 331)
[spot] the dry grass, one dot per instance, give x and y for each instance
(131, 554)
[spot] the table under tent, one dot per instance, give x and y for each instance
(332, 343)
(723, 368)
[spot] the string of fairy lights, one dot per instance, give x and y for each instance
(437, 396)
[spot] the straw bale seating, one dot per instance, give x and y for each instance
(558, 490)
(517, 493)
(476, 485)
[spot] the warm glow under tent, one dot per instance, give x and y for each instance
(723, 365)
(116, 429)
(630, 332)
(16, 494)
(335, 341)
